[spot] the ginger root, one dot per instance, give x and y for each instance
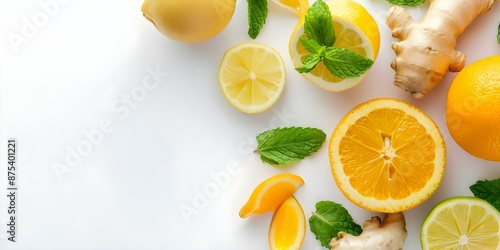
(426, 49)
(387, 235)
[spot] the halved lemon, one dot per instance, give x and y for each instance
(355, 29)
(270, 194)
(298, 7)
(252, 77)
(288, 226)
(461, 223)
(387, 155)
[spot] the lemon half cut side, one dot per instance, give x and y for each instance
(355, 29)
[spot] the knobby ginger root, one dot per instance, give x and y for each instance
(426, 49)
(387, 235)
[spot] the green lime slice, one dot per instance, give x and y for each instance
(461, 223)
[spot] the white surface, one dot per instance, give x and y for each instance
(77, 68)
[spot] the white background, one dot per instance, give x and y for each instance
(161, 152)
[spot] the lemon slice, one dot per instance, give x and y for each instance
(461, 223)
(252, 77)
(270, 194)
(355, 29)
(288, 226)
(298, 7)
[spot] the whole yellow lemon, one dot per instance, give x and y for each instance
(473, 108)
(189, 21)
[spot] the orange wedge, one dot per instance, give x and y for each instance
(270, 194)
(288, 227)
(297, 7)
(387, 155)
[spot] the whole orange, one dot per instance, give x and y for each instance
(473, 108)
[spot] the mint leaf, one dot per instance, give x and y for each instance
(309, 63)
(311, 45)
(283, 146)
(498, 36)
(318, 24)
(345, 63)
(406, 2)
(317, 51)
(257, 15)
(329, 219)
(341, 62)
(488, 190)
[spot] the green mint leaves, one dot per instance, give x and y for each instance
(318, 24)
(345, 63)
(282, 146)
(406, 2)
(329, 219)
(488, 190)
(257, 15)
(498, 36)
(316, 56)
(341, 62)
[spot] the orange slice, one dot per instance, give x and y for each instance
(288, 227)
(387, 155)
(270, 194)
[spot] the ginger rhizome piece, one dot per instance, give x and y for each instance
(426, 49)
(387, 235)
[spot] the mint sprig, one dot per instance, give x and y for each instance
(282, 146)
(406, 2)
(488, 190)
(257, 15)
(320, 33)
(329, 219)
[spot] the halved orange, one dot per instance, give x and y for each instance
(288, 226)
(270, 194)
(387, 155)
